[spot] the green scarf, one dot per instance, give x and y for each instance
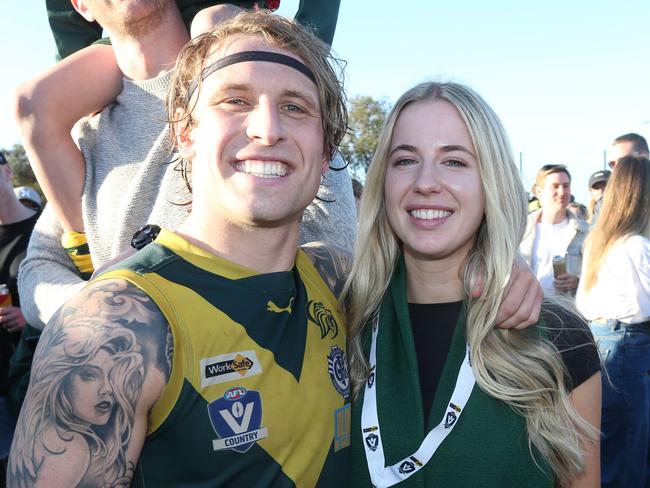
(488, 446)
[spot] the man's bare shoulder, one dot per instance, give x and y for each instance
(101, 363)
(332, 262)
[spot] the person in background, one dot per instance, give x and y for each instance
(597, 183)
(16, 224)
(29, 197)
(631, 144)
(533, 201)
(554, 231)
(443, 204)
(614, 294)
(578, 210)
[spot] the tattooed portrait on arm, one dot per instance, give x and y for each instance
(79, 425)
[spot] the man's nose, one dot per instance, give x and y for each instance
(265, 123)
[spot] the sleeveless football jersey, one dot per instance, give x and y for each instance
(259, 389)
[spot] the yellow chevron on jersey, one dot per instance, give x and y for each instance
(247, 346)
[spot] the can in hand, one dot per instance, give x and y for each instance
(559, 266)
(5, 296)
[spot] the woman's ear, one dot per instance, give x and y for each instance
(184, 134)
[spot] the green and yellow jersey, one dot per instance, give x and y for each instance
(259, 390)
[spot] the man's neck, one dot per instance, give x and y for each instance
(553, 216)
(12, 211)
(152, 54)
(266, 250)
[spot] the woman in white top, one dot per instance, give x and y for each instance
(615, 295)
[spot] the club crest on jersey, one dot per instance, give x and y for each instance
(323, 318)
(229, 367)
(337, 367)
(372, 441)
(451, 417)
(236, 417)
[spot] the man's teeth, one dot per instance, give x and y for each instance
(430, 214)
(263, 169)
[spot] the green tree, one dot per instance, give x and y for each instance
(23, 174)
(367, 116)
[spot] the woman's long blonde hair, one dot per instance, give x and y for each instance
(525, 373)
(625, 212)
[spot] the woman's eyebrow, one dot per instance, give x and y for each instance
(456, 147)
(402, 147)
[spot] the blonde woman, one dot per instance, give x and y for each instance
(444, 398)
(615, 295)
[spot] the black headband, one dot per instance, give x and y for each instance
(244, 56)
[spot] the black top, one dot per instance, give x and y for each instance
(433, 328)
(13, 246)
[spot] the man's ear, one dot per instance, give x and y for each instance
(83, 9)
(184, 134)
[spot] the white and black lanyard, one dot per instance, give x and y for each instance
(381, 475)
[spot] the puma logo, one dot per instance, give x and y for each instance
(272, 307)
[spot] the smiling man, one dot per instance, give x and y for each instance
(553, 231)
(230, 368)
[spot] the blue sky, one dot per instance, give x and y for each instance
(566, 77)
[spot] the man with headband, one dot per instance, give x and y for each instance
(216, 355)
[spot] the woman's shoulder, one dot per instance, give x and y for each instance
(570, 334)
(637, 244)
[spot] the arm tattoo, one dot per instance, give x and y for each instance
(332, 263)
(104, 354)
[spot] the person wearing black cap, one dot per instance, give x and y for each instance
(597, 184)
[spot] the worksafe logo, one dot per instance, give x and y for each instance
(236, 417)
(229, 367)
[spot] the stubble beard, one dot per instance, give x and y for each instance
(132, 23)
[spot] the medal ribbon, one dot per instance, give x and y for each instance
(383, 476)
